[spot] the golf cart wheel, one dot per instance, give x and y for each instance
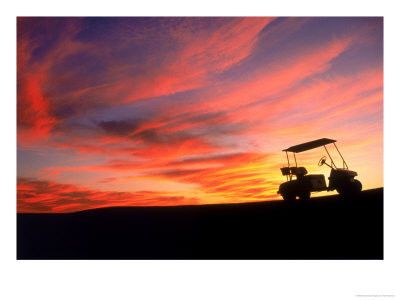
(357, 186)
(288, 197)
(305, 195)
(350, 188)
(344, 190)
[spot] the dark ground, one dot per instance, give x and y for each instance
(323, 228)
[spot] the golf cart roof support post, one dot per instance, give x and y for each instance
(288, 162)
(344, 162)
(330, 157)
(288, 177)
(294, 154)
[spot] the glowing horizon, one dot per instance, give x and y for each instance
(177, 111)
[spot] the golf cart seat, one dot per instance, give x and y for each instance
(297, 171)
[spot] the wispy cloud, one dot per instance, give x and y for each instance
(48, 196)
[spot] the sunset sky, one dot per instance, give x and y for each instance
(176, 111)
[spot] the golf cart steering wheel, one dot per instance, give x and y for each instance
(322, 161)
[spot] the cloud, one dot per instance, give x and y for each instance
(120, 127)
(39, 47)
(235, 176)
(47, 196)
(60, 75)
(34, 110)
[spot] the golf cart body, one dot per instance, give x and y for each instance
(300, 184)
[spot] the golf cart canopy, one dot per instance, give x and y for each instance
(309, 145)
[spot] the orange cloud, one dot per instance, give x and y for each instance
(46, 196)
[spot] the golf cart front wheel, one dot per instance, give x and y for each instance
(351, 188)
(357, 186)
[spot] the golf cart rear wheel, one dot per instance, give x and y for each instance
(305, 195)
(344, 189)
(288, 197)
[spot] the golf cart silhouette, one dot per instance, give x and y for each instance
(299, 184)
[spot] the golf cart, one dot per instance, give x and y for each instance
(299, 184)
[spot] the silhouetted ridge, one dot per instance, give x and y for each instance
(331, 227)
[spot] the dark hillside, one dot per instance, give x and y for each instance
(323, 228)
